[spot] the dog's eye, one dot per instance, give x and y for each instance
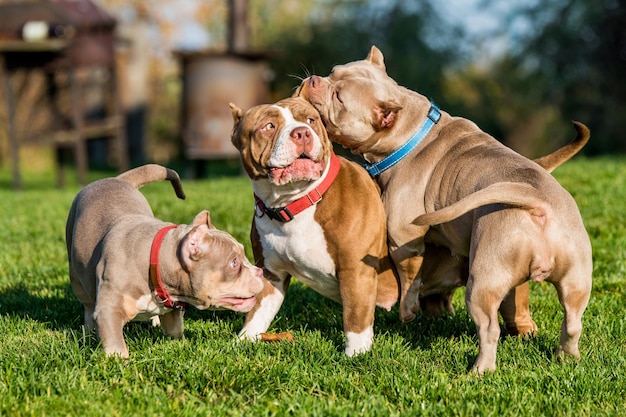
(235, 264)
(310, 120)
(268, 126)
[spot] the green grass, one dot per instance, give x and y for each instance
(48, 367)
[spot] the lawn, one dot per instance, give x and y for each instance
(49, 368)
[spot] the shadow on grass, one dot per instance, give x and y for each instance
(62, 310)
(306, 310)
(55, 311)
(303, 310)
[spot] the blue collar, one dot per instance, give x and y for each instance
(377, 168)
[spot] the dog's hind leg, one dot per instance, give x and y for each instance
(515, 311)
(87, 300)
(573, 290)
(487, 286)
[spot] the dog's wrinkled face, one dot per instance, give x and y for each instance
(284, 142)
(358, 101)
(220, 274)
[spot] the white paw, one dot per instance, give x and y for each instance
(357, 343)
(251, 336)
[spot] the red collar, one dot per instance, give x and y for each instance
(287, 213)
(155, 271)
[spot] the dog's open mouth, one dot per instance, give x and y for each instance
(302, 169)
(238, 304)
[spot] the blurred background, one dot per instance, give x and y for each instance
(157, 75)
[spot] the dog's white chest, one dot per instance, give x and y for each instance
(147, 307)
(298, 248)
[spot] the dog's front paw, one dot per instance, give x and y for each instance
(357, 343)
(410, 304)
(251, 336)
(119, 351)
(409, 310)
(407, 317)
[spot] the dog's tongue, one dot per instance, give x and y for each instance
(238, 304)
(301, 169)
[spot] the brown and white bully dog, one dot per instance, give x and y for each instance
(127, 265)
(318, 217)
(509, 216)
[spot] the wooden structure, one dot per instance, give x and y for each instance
(71, 38)
(213, 79)
(210, 81)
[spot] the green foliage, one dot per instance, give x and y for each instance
(546, 62)
(411, 34)
(48, 367)
(570, 55)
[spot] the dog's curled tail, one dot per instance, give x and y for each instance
(556, 158)
(145, 174)
(515, 194)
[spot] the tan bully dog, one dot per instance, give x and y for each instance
(318, 218)
(127, 265)
(511, 218)
(443, 272)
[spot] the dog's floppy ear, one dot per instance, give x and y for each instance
(204, 217)
(385, 115)
(237, 116)
(236, 111)
(194, 246)
(197, 241)
(376, 58)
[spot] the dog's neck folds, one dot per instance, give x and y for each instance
(311, 196)
(399, 154)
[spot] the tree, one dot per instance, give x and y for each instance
(576, 52)
(416, 45)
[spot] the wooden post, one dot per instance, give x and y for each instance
(238, 26)
(14, 146)
(77, 118)
(121, 142)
